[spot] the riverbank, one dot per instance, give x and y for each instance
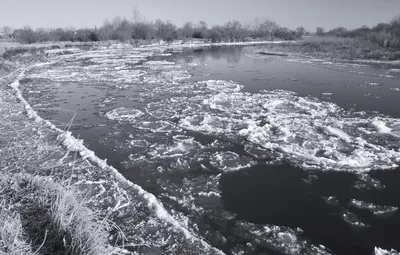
(336, 48)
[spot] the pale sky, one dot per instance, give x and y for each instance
(289, 13)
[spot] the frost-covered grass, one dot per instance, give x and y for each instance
(12, 240)
(4, 44)
(42, 215)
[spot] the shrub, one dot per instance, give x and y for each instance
(94, 37)
(27, 35)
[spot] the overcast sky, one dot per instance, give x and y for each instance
(289, 13)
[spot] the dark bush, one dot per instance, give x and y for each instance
(27, 35)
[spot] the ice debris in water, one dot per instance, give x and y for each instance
(307, 132)
(283, 238)
(375, 209)
(394, 71)
(372, 83)
(124, 114)
(222, 86)
(380, 126)
(331, 200)
(380, 251)
(288, 238)
(365, 181)
(230, 161)
(352, 219)
(114, 65)
(338, 133)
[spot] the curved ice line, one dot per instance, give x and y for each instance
(76, 145)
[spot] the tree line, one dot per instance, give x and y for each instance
(382, 35)
(137, 28)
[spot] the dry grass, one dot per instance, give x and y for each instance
(12, 240)
(49, 218)
(328, 40)
(40, 214)
(335, 48)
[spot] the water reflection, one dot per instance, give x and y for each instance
(317, 80)
(231, 55)
(285, 196)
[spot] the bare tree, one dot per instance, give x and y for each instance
(165, 30)
(188, 30)
(202, 30)
(7, 30)
(264, 27)
(116, 21)
(300, 31)
(136, 16)
(268, 27)
(233, 29)
(320, 31)
(106, 30)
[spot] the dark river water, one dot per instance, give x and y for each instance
(263, 155)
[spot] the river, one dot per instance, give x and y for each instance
(255, 153)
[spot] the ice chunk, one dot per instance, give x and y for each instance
(380, 251)
(230, 161)
(339, 133)
(288, 238)
(372, 83)
(124, 114)
(393, 71)
(380, 126)
(352, 219)
(221, 86)
(375, 209)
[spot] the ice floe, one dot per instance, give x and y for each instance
(124, 114)
(380, 126)
(394, 71)
(230, 161)
(352, 219)
(380, 251)
(375, 209)
(285, 239)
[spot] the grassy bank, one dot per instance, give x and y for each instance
(40, 212)
(41, 216)
(336, 47)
